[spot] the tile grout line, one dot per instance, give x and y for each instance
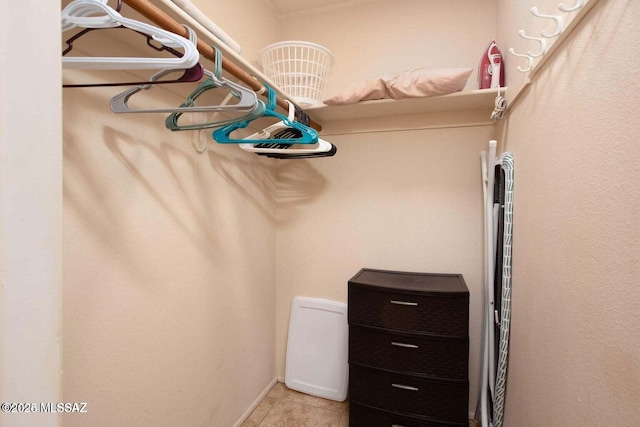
(267, 412)
(282, 397)
(313, 406)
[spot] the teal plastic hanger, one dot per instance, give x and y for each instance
(214, 81)
(307, 135)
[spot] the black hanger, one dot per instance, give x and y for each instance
(290, 133)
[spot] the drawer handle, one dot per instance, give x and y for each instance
(404, 387)
(401, 344)
(403, 303)
(396, 425)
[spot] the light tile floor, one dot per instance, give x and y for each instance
(283, 407)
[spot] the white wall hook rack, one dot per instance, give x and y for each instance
(541, 40)
(579, 4)
(570, 14)
(520, 55)
(557, 18)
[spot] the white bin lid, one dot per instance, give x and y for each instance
(318, 348)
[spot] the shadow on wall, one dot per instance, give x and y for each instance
(255, 181)
(296, 183)
(168, 184)
(102, 195)
(204, 234)
(299, 184)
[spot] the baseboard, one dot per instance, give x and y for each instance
(281, 380)
(255, 403)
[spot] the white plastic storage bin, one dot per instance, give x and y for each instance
(318, 348)
(299, 68)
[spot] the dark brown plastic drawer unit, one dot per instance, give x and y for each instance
(408, 349)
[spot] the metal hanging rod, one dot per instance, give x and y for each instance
(161, 19)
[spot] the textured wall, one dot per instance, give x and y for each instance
(576, 257)
(407, 200)
(169, 270)
(170, 274)
(169, 260)
(389, 200)
(381, 37)
(251, 23)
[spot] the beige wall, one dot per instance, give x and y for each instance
(180, 271)
(391, 200)
(169, 269)
(574, 346)
(381, 36)
(408, 200)
(253, 24)
(169, 272)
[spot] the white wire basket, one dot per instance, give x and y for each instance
(299, 68)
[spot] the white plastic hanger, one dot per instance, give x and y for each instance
(322, 146)
(97, 14)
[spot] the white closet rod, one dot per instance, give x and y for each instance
(186, 9)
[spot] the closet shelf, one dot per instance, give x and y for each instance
(473, 100)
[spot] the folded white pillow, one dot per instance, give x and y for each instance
(408, 84)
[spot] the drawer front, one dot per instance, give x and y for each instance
(446, 316)
(362, 416)
(434, 357)
(437, 400)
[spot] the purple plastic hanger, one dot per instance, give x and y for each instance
(192, 74)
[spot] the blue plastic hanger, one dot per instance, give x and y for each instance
(308, 135)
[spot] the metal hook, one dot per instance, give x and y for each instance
(577, 6)
(557, 18)
(542, 41)
(519, 55)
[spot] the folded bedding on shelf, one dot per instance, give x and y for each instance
(415, 83)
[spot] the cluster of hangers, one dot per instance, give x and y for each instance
(559, 21)
(290, 137)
